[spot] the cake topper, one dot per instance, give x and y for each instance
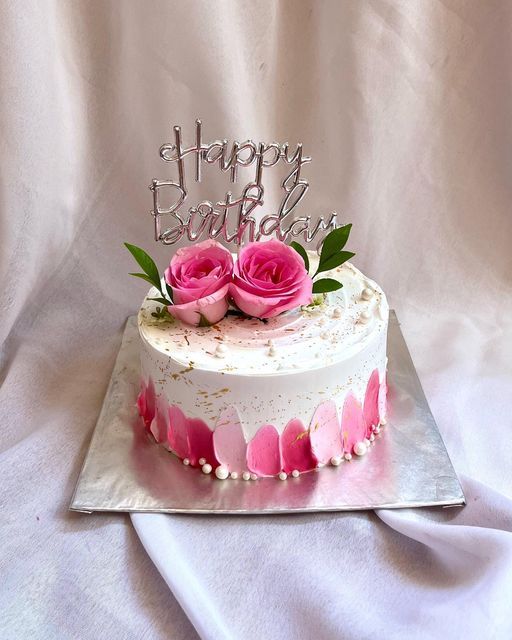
(231, 219)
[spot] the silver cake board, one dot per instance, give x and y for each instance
(125, 470)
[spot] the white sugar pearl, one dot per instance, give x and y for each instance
(254, 476)
(222, 473)
(234, 475)
(360, 448)
(366, 442)
(383, 421)
(336, 312)
(221, 351)
(246, 475)
(295, 473)
(367, 293)
(202, 461)
(348, 456)
(336, 461)
(365, 317)
(372, 438)
(272, 351)
(186, 461)
(377, 430)
(207, 468)
(283, 475)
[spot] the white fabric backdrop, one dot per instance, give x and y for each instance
(406, 110)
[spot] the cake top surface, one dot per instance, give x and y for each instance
(335, 329)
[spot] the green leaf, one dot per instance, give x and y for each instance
(143, 276)
(335, 261)
(145, 262)
(161, 301)
(325, 285)
(334, 242)
(203, 322)
(302, 252)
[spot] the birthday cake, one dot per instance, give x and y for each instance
(270, 362)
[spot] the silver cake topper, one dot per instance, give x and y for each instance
(214, 221)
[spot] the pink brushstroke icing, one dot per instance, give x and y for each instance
(263, 456)
(296, 448)
(160, 424)
(200, 440)
(267, 453)
(382, 402)
(371, 402)
(177, 435)
(353, 427)
(228, 441)
(324, 432)
(146, 402)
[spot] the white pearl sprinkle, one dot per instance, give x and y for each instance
(186, 461)
(246, 475)
(272, 351)
(348, 456)
(365, 317)
(234, 475)
(377, 430)
(220, 351)
(319, 465)
(366, 442)
(336, 461)
(295, 473)
(336, 312)
(383, 421)
(207, 468)
(283, 475)
(222, 473)
(254, 476)
(202, 461)
(360, 448)
(372, 438)
(367, 293)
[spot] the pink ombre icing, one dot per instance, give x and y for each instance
(200, 442)
(353, 428)
(371, 402)
(324, 432)
(199, 276)
(177, 436)
(268, 279)
(229, 442)
(296, 451)
(146, 402)
(160, 425)
(263, 455)
(383, 403)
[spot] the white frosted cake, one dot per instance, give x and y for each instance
(278, 396)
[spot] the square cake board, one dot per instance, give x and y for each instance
(125, 470)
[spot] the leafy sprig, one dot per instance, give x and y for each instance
(151, 275)
(331, 256)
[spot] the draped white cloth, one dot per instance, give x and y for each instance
(405, 108)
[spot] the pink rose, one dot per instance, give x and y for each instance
(199, 276)
(269, 278)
